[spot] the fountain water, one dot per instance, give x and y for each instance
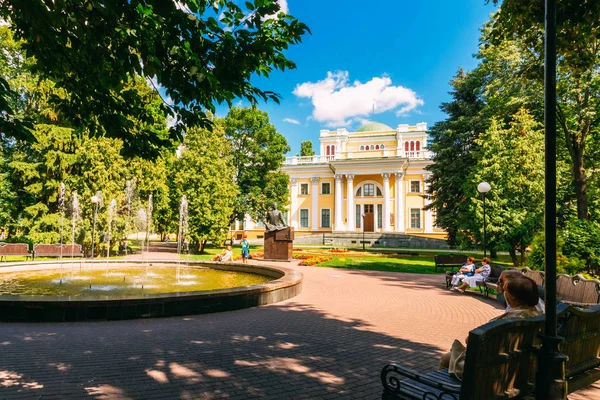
(74, 217)
(182, 233)
(129, 193)
(61, 207)
(111, 212)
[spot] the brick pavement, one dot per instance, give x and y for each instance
(330, 342)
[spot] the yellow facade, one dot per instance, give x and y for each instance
(380, 170)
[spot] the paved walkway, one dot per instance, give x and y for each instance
(330, 342)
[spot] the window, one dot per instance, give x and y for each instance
(412, 146)
(326, 218)
(333, 150)
(415, 186)
(304, 188)
(415, 218)
(405, 146)
(369, 189)
(377, 147)
(328, 151)
(381, 147)
(379, 192)
(304, 218)
(286, 216)
(325, 188)
(259, 224)
(362, 148)
(358, 216)
(379, 215)
(418, 145)
(359, 192)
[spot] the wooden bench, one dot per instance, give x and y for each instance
(57, 250)
(577, 290)
(449, 261)
(14, 249)
(538, 276)
(501, 360)
(491, 282)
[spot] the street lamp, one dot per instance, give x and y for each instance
(95, 201)
(363, 229)
(483, 188)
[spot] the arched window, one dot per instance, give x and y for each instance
(327, 150)
(405, 146)
(332, 150)
(377, 147)
(412, 146)
(362, 148)
(378, 192)
(381, 147)
(418, 145)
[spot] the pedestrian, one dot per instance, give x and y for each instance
(245, 249)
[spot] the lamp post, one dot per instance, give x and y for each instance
(483, 188)
(95, 201)
(363, 229)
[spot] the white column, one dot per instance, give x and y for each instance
(400, 202)
(315, 204)
(350, 212)
(293, 203)
(427, 215)
(339, 207)
(386, 203)
(375, 213)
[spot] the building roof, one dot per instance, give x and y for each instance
(374, 127)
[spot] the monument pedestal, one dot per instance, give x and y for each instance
(279, 244)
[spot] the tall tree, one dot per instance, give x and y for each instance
(204, 173)
(578, 71)
(258, 152)
(306, 149)
(512, 158)
(200, 52)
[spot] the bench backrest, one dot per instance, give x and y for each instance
(577, 289)
(501, 359)
(580, 329)
(55, 249)
(450, 259)
(7, 249)
(495, 271)
(537, 276)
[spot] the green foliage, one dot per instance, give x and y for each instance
(512, 159)
(257, 153)
(581, 242)
(95, 49)
(204, 173)
(306, 149)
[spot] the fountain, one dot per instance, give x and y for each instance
(61, 208)
(30, 291)
(129, 193)
(112, 208)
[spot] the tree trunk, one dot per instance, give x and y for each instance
(513, 256)
(580, 181)
(493, 253)
(202, 245)
(522, 251)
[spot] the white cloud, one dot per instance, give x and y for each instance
(336, 102)
(291, 121)
(283, 7)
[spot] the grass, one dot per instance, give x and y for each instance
(417, 265)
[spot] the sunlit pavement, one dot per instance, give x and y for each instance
(329, 342)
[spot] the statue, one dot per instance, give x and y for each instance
(274, 220)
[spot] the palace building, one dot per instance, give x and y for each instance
(375, 176)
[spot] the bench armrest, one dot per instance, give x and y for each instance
(392, 373)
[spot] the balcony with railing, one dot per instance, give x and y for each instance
(357, 155)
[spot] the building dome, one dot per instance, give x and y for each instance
(374, 127)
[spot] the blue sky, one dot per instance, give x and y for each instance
(398, 54)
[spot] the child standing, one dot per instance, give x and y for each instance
(245, 249)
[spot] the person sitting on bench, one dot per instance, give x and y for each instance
(225, 255)
(504, 276)
(480, 274)
(521, 294)
(466, 270)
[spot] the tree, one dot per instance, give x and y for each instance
(258, 152)
(452, 142)
(204, 173)
(306, 149)
(578, 76)
(512, 158)
(94, 49)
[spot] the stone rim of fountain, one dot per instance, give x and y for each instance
(286, 284)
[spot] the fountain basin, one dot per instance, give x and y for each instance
(278, 284)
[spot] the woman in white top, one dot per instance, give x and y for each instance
(480, 274)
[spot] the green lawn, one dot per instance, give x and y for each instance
(418, 265)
